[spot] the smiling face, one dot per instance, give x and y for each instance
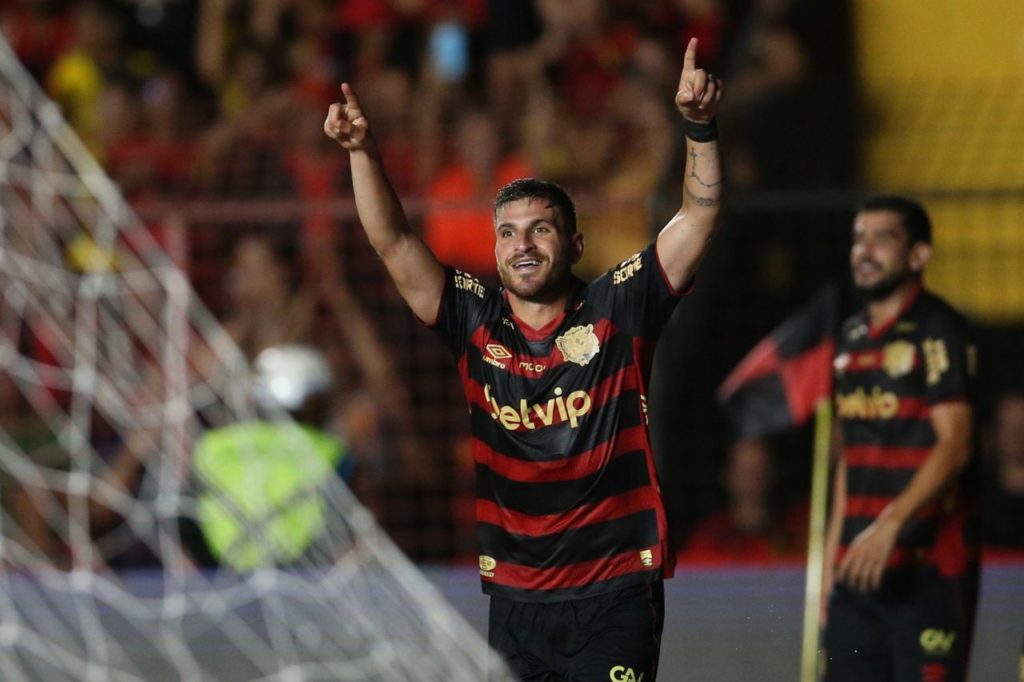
(534, 251)
(882, 258)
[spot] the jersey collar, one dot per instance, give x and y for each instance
(573, 302)
(882, 329)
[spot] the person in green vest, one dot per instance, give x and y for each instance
(262, 481)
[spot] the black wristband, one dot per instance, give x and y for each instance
(700, 132)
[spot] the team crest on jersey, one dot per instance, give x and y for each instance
(579, 345)
(487, 565)
(898, 358)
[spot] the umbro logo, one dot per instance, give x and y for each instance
(495, 354)
(498, 351)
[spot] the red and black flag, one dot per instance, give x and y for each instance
(777, 385)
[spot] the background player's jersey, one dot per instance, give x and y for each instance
(568, 501)
(887, 381)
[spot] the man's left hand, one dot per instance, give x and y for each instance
(699, 91)
(865, 562)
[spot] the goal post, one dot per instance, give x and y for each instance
(111, 371)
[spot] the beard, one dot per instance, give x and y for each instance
(884, 287)
(538, 290)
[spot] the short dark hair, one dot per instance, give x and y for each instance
(532, 188)
(912, 214)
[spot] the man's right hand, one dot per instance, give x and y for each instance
(346, 123)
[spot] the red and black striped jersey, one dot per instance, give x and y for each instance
(887, 380)
(568, 500)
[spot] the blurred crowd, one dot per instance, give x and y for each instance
(212, 100)
(220, 98)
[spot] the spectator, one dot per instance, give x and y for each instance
(750, 527)
(315, 174)
(377, 34)
(368, 405)
(771, 63)
(77, 78)
(260, 482)
(311, 55)
(1004, 495)
(590, 53)
(141, 135)
(459, 223)
(639, 120)
(266, 309)
(514, 60)
(239, 67)
(44, 515)
(39, 32)
(29, 506)
(393, 102)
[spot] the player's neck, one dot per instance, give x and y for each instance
(884, 311)
(537, 314)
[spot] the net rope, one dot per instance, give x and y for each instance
(115, 370)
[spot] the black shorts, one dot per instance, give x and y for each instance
(613, 636)
(918, 629)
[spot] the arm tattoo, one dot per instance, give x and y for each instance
(693, 172)
(700, 201)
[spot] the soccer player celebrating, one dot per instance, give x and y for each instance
(903, 539)
(571, 526)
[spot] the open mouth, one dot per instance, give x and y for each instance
(525, 264)
(867, 267)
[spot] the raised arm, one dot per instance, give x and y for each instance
(684, 240)
(414, 269)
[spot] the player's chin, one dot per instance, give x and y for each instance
(526, 286)
(862, 282)
(525, 290)
(871, 280)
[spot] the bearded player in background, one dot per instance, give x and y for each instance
(903, 542)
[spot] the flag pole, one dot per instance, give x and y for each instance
(809, 664)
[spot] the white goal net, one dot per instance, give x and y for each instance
(110, 374)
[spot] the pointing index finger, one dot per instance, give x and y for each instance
(350, 95)
(690, 58)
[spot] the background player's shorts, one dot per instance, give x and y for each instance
(916, 630)
(613, 636)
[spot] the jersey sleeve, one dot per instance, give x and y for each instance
(949, 359)
(636, 293)
(463, 304)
